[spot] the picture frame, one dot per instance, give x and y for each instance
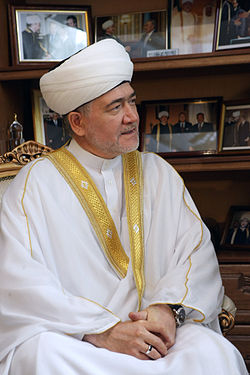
(49, 128)
(130, 30)
(192, 25)
(232, 28)
(236, 234)
(235, 127)
(37, 33)
(182, 127)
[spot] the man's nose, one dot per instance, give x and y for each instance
(130, 114)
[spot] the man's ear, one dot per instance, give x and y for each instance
(77, 123)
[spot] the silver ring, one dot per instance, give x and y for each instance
(150, 347)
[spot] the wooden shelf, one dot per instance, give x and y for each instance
(233, 256)
(211, 163)
(220, 60)
(11, 75)
(207, 60)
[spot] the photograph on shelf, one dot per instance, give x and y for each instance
(232, 24)
(180, 126)
(192, 25)
(235, 127)
(142, 34)
(49, 128)
(44, 34)
(236, 234)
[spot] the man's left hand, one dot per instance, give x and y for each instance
(162, 315)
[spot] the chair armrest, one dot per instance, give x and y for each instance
(227, 315)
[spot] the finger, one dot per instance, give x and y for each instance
(157, 343)
(153, 354)
(139, 315)
(143, 356)
(167, 334)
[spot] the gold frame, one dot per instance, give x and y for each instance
(236, 41)
(45, 52)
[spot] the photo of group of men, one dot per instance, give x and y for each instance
(50, 36)
(180, 127)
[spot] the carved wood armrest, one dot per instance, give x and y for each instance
(25, 153)
(227, 321)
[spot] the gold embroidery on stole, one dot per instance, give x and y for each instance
(133, 185)
(93, 204)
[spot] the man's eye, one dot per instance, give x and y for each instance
(132, 101)
(115, 108)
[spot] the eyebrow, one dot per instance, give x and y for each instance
(120, 100)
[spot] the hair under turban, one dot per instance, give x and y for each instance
(86, 75)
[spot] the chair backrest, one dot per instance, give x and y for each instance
(11, 162)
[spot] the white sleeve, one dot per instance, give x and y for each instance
(180, 251)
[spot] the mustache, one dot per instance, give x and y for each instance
(130, 128)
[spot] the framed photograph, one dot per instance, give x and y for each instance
(192, 25)
(236, 234)
(187, 126)
(46, 34)
(235, 127)
(49, 128)
(232, 25)
(142, 34)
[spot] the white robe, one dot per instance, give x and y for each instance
(184, 31)
(55, 279)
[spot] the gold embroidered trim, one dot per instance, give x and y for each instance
(133, 184)
(93, 204)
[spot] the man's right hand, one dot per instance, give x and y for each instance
(131, 337)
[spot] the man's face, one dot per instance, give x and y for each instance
(35, 27)
(70, 22)
(200, 118)
(244, 223)
(164, 120)
(111, 126)
(148, 26)
(110, 30)
(182, 117)
(187, 7)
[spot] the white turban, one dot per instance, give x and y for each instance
(163, 113)
(236, 114)
(86, 75)
(107, 24)
(34, 18)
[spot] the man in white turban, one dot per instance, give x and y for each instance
(106, 267)
(33, 48)
(108, 29)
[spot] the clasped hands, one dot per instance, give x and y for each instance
(153, 326)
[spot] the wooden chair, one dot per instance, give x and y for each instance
(11, 162)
